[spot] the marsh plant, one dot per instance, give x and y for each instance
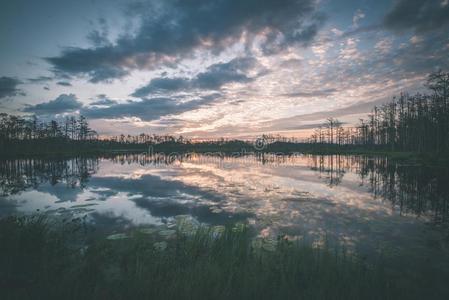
(38, 261)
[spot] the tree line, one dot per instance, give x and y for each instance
(15, 128)
(418, 123)
(415, 123)
(20, 128)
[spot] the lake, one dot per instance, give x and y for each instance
(369, 205)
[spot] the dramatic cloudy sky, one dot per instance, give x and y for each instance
(206, 68)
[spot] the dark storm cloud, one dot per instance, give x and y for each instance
(8, 87)
(64, 83)
(173, 28)
(147, 109)
(64, 103)
(213, 78)
(419, 15)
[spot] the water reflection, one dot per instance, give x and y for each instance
(261, 186)
(370, 204)
(410, 188)
(21, 174)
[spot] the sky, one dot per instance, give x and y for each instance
(215, 68)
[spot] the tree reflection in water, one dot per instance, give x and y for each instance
(410, 188)
(21, 174)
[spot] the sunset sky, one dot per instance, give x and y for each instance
(212, 68)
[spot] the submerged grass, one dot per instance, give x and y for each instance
(38, 261)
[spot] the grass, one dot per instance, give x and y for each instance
(43, 260)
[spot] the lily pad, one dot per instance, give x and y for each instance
(182, 217)
(216, 210)
(160, 246)
(187, 224)
(168, 233)
(117, 236)
(147, 230)
(269, 245)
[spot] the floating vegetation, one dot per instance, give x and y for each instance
(167, 233)
(117, 236)
(186, 224)
(216, 210)
(214, 263)
(160, 246)
(267, 244)
(150, 230)
(83, 205)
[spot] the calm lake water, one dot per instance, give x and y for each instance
(370, 205)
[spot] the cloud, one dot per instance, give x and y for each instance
(8, 87)
(349, 50)
(384, 45)
(213, 78)
(64, 83)
(218, 75)
(358, 15)
(318, 93)
(103, 101)
(418, 15)
(299, 122)
(158, 85)
(40, 79)
(99, 38)
(147, 109)
(174, 28)
(64, 103)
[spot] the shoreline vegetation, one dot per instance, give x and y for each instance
(43, 260)
(409, 126)
(232, 148)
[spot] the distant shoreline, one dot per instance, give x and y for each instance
(241, 148)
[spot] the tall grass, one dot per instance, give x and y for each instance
(40, 262)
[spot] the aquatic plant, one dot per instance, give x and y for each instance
(39, 260)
